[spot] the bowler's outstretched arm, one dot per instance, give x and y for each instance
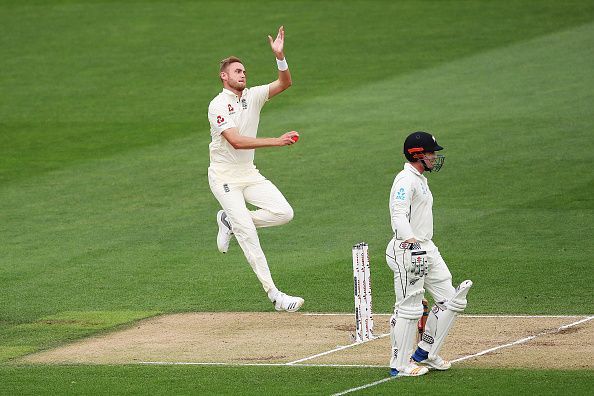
(284, 76)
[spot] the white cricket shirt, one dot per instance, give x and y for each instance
(411, 205)
(226, 111)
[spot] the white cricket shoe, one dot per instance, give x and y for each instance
(225, 232)
(412, 370)
(437, 363)
(284, 302)
(422, 356)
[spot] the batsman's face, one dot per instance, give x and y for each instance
(430, 155)
(429, 159)
(434, 161)
(235, 76)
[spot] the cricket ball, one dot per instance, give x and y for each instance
(295, 138)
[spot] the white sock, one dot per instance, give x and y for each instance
(273, 294)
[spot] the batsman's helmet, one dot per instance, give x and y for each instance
(417, 144)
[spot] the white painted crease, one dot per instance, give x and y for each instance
(523, 340)
(163, 363)
(293, 363)
(340, 348)
(364, 386)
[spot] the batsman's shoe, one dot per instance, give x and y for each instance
(412, 370)
(284, 302)
(225, 232)
(422, 356)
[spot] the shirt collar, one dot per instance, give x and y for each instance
(231, 93)
(412, 169)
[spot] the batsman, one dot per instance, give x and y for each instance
(418, 265)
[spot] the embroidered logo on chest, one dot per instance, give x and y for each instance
(244, 104)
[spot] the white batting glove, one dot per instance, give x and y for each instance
(417, 265)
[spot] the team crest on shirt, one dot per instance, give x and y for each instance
(401, 194)
(244, 103)
(231, 109)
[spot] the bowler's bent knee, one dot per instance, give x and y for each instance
(279, 216)
(286, 215)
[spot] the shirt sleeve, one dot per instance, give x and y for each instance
(400, 202)
(218, 116)
(260, 95)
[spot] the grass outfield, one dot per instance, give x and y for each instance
(276, 381)
(106, 216)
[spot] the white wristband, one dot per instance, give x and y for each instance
(282, 64)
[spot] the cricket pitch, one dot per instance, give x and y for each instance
(326, 339)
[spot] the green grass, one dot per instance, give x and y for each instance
(54, 330)
(185, 380)
(105, 212)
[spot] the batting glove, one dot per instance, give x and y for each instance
(418, 264)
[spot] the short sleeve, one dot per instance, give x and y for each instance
(259, 95)
(218, 116)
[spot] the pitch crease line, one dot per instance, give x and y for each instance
(260, 364)
(517, 342)
(523, 340)
(293, 363)
(364, 386)
(340, 348)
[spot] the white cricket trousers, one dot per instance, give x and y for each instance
(273, 209)
(438, 281)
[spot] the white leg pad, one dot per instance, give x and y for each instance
(458, 302)
(404, 329)
(403, 336)
(441, 319)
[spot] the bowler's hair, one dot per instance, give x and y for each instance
(227, 61)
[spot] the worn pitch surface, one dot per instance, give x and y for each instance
(284, 338)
